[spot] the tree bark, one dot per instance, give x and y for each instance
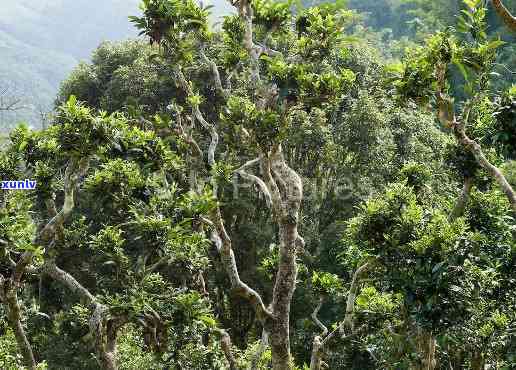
(104, 331)
(503, 12)
(462, 200)
(316, 358)
(225, 344)
(317, 346)
(477, 361)
(426, 347)
(74, 171)
(264, 342)
(283, 291)
(14, 316)
(319, 342)
(491, 169)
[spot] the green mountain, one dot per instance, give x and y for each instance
(42, 40)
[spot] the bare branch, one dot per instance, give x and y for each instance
(223, 243)
(14, 316)
(8, 102)
(321, 341)
(74, 171)
(277, 203)
(482, 160)
(505, 14)
(180, 77)
(187, 137)
(323, 328)
(245, 12)
(215, 72)
(225, 344)
(261, 184)
(350, 302)
(69, 281)
(249, 164)
(462, 200)
(446, 115)
(230, 75)
(105, 337)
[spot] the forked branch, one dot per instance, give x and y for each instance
(322, 340)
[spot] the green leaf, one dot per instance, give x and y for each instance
(208, 321)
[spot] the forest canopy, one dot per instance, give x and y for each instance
(307, 185)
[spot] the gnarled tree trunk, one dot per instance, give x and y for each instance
(283, 292)
(462, 200)
(14, 316)
(104, 331)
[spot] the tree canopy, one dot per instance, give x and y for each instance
(290, 189)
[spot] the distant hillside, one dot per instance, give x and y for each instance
(42, 40)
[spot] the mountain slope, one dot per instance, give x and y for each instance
(42, 40)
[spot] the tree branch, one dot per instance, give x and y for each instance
(14, 316)
(105, 338)
(9, 103)
(479, 155)
(180, 78)
(71, 180)
(447, 117)
(225, 344)
(223, 243)
(261, 184)
(462, 200)
(246, 13)
(187, 137)
(277, 202)
(505, 14)
(320, 342)
(323, 328)
(215, 72)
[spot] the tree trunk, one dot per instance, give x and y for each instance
(283, 292)
(477, 361)
(264, 342)
(225, 344)
(426, 347)
(316, 359)
(14, 317)
(462, 201)
(103, 331)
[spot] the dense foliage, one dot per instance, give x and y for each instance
(294, 189)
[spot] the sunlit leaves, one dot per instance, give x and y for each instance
(169, 23)
(414, 244)
(109, 243)
(370, 299)
(271, 14)
(417, 78)
(326, 283)
(116, 176)
(16, 224)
